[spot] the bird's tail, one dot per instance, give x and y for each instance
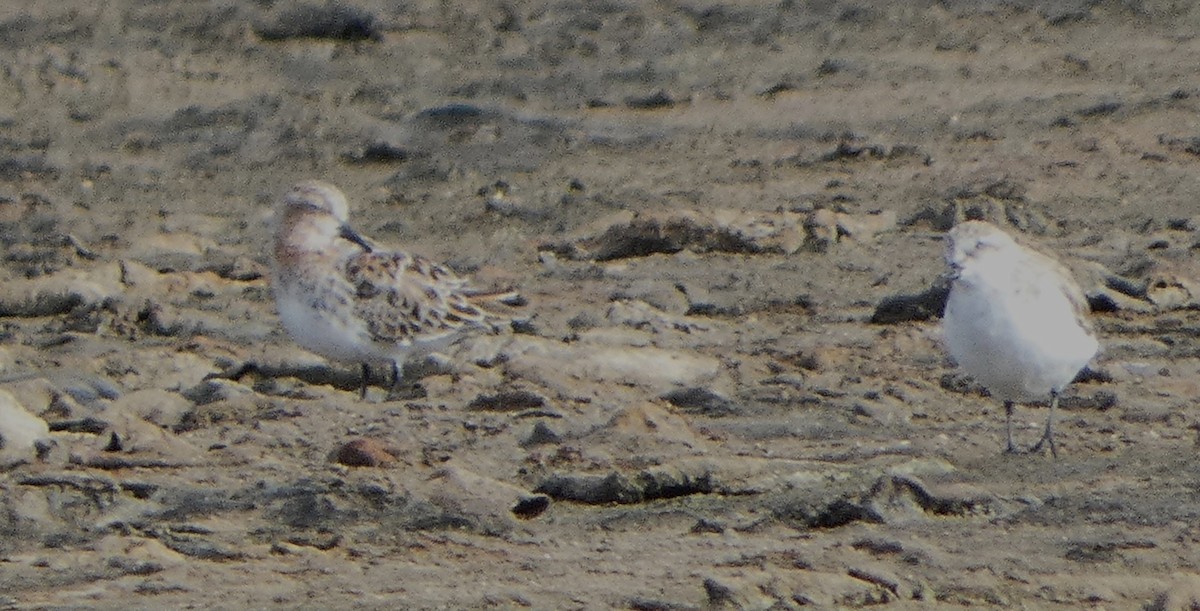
(501, 308)
(507, 297)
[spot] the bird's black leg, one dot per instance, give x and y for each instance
(399, 390)
(1048, 435)
(366, 377)
(1010, 448)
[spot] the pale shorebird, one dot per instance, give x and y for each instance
(344, 298)
(1015, 320)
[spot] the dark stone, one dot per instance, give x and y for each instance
(658, 99)
(531, 506)
(333, 21)
(925, 305)
(701, 401)
(541, 434)
(507, 401)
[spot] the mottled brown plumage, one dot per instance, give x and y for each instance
(431, 299)
(342, 297)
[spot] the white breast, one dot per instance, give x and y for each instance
(1016, 332)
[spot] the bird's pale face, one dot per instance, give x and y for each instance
(973, 241)
(311, 217)
(316, 196)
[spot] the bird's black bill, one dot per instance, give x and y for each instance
(349, 233)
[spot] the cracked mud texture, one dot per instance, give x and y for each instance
(726, 217)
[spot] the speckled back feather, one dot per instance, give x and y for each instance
(406, 297)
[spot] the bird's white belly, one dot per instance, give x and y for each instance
(1019, 348)
(324, 332)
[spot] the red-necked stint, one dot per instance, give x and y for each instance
(344, 298)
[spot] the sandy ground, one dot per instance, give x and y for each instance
(708, 203)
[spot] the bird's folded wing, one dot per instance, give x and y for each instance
(405, 298)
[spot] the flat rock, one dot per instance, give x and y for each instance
(364, 452)
(563, 366)
(647, 425)
(490, 505)
(21, 433)
(1183, 594)
(161, 407)
(130, 441)
(61, 292)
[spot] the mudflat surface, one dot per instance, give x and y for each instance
(727, 220)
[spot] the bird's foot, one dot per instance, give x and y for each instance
(406, 392)
(1045, 441)
(1035, 449)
